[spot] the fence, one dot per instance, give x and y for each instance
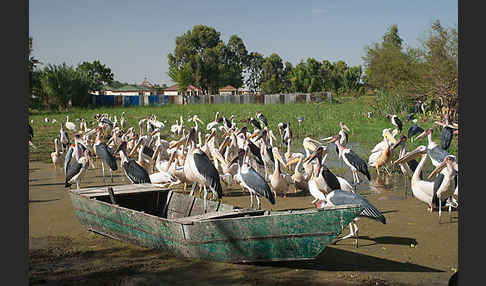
(140, 100)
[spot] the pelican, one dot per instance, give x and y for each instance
(299, 178)
(56, 156)
(409, 167)
(214, 123)
(195, 119)
(199, 168)
(395, 121)
(340, 197)
(279, 181)
(122, 120)
(352, 160)
(229, 168)
(421, 189)
(104, 154)
(70, 125)
(134, 172)
(252, 181)
(381, 153)
(77, 171)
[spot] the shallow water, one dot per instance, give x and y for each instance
(413, 248)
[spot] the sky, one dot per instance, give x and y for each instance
(133, 38)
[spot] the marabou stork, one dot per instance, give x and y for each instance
(68, 157)
(31, 134)
(340, 197)
(287, 134)
(63, 137)
(322, 178)
(77, 170)
(395, 121)
(255, 123)
(135, 173)
(414, 129)
(446, 134)
(56, 156)
(421, 189)
(199, 168)
(409, 167)
(435, 152)
(252, 181)
(445, 182)
(262, 118)
(352, 160)
(343, 135)
(104, 154)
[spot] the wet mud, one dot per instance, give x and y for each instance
(413, 248)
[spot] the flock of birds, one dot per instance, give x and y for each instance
(251, 159)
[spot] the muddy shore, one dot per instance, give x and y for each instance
(413, 248)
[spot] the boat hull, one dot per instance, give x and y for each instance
(234, 236)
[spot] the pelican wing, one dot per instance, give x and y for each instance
(206, 168)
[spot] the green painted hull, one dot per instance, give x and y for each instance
(158, 218)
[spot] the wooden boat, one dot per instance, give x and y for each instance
(155, 217)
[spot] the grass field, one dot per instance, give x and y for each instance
(320, 120)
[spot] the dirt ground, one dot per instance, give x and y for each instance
(413, 248)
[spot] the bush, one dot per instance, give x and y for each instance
(388, 103)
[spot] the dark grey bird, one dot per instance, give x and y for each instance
(68, 158)
(262, 118)
(410, 117)
(105, 154)
(135, 173)
(340, 197)
(77, 171)
(446, 137)
(414, 129)
(253, 181)
(255, 123)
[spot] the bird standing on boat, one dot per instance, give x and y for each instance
(340, 197)
(199, 168)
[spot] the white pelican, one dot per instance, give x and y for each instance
(421, 189)
(279, 181)
(300, 179)
(381, 153)
(70, 125)
(407, 168)
(56, 156)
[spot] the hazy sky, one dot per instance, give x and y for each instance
(133, 38)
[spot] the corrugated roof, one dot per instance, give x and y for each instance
(228, 88)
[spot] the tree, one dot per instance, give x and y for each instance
(64, 85)
(234, 59)
(272, 74)
(196, 55)
(254, 69)
(98, 75)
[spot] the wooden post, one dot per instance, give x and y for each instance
(112, 195)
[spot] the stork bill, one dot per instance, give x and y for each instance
(441, 166)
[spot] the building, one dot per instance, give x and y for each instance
(228, 90)
(190, 91)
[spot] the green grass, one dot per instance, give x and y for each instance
(320, 120)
